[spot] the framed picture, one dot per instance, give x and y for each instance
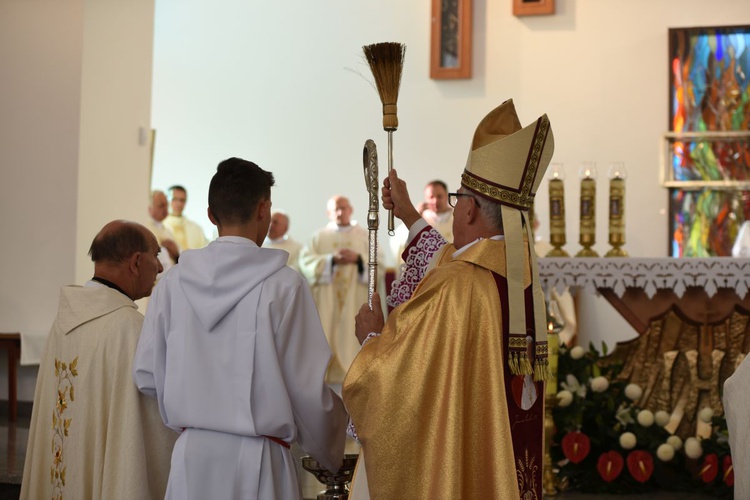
(533, 7)
(450, 40)
(706, 152)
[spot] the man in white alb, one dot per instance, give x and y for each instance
(158, 211)
(334, 264)
(279, 239)
(233, 351)
(188, 234)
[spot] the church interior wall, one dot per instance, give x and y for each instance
(288, 88)
(76, 87)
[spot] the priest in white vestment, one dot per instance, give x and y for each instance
(92, 434)
(157, 210)
(279, 238)
(737, 411)
(233, 351)
(187, 234)
(334, 262)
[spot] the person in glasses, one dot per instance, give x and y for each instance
(446, 397)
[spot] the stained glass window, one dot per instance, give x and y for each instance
(709, 144)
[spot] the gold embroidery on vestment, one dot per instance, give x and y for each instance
(64, 373)
(526, 470)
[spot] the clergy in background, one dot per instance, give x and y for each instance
(334, 264)
(187, 234)
(447, 397)
(92, 434)
(435, 210)
(158, 212)
(279, 238)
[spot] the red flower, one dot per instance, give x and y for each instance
(640, 465)
(728, 470)
(610, 465)
(710, 468)
(576, 446)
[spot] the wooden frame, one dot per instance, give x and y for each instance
(533, 7)
(450, 39)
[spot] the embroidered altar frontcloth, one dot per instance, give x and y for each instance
(650, 274)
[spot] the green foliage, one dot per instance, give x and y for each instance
(604, 415)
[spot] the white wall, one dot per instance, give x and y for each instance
(76, 85)
(278, 83)
(285, 86)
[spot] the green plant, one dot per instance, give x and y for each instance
(605, 443)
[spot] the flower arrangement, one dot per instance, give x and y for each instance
(605, 443)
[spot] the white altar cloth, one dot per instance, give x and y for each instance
(650, 274)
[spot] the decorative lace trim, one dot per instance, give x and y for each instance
(650, 274)
(351, 431)
(417, 256)
(369, 336)
(60, 425)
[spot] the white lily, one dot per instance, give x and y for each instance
(624, 415)
(573, 385)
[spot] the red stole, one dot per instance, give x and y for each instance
(526, 426)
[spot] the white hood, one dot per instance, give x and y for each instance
(217, 277)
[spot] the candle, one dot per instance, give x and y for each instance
(617, 176)
(553, 350)
(557, 211)
(587, 238)
(555, 324)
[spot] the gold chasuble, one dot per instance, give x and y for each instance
(460, 426)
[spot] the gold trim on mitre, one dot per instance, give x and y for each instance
(506, 165)
(507, 162)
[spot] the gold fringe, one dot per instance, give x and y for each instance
(519, 363)
(513, 363)
(542, 371)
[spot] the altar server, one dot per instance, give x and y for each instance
(233, 350)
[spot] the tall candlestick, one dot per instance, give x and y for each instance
(617, 176)
(557, 211)
(555, 325)
(587, 238)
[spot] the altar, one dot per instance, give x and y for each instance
(692, 319)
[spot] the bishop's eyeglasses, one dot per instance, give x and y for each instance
(453, 198)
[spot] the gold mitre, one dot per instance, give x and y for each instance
(506, 165)
(507, 162)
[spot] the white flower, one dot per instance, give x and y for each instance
(662, 418)
(693, 448)
(564, 398)
(599, 384)
(624, 415)
(571, 384)
(633, 392)
(675, 442)
(628, 440)
(577, 352)
(645, 418)
(706, 414)
(665, 452)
